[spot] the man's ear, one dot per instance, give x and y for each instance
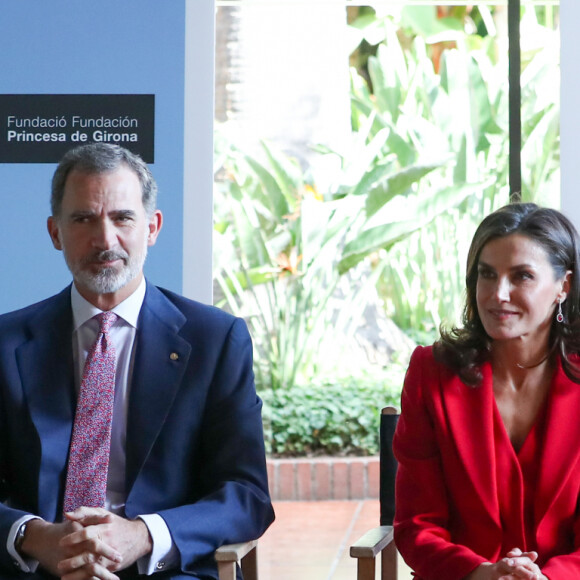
(155, 224)
(54, 232)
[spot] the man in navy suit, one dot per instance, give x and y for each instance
(186, 465)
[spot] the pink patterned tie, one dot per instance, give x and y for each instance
(88, 464)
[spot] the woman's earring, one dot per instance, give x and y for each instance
(560, 316)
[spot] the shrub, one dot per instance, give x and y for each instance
(338, 418)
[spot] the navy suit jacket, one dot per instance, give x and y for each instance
(195, 451)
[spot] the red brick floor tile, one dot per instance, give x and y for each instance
(304, 540)
(340, 483)
(357, 480)
(374, 471)
(286, 480)
(311, 540)
(272, 478)
(322, 486)
(304, 480)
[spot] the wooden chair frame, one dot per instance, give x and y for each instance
(368, 547)
(379, 540)
(245, 555)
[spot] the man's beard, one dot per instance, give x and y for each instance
(107, 279)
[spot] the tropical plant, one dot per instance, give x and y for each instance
(271, 263)
(438, 83)
(276, 262)
(427, 160)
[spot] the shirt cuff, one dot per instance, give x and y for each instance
(164, 554)
(24, 565)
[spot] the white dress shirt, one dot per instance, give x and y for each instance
(85, 328)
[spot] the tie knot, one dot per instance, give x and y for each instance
(106, 320)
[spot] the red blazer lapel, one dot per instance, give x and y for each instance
(561, 449)
(469, 415)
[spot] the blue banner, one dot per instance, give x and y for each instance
(90, 64)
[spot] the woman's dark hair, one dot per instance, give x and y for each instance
(465, 349)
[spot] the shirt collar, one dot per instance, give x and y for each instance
(128, 310)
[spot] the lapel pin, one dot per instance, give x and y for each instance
(174, 356)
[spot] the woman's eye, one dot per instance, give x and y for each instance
(485, 274)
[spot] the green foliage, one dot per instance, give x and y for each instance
(438, 82)
(339, 418)
(427, 160)
(274, 260)
(284, 247)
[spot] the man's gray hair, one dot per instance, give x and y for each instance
(96, 158)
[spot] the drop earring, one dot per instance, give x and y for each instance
(560, 316)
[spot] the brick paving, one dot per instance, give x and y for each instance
(310, 540)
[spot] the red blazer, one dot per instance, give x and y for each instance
(457, 467)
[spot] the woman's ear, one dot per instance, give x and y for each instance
(566, 282)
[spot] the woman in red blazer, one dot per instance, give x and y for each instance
(488, 443)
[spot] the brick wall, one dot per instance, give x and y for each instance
(324, 478)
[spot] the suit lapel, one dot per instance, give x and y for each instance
(560, 451)
(161, 358)
(45, 365)
(469, 414)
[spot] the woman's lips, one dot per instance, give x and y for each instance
(501, 313)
